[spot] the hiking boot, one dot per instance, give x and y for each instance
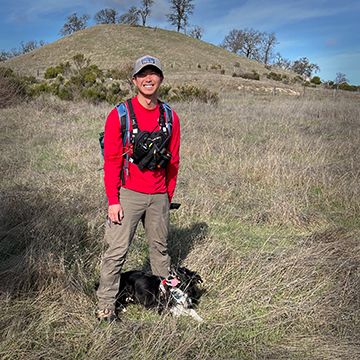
(107, 315)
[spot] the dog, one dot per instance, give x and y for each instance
(178, 293)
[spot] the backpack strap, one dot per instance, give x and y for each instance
(168, 120)
(124, 118)
(135, 126)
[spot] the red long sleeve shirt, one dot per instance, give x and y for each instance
(145, 181)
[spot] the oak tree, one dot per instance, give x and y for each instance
(180, 11)
(74, 23)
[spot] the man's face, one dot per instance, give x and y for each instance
(148, 81)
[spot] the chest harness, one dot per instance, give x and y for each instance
(147, 150)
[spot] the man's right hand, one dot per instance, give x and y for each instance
(116, 213)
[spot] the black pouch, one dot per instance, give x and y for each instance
(149, 150)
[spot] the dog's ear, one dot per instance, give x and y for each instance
(192, 275)
(197, 278)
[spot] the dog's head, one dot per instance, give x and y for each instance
(186, 277)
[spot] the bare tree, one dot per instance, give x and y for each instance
(145, 10)
(180, 11)
(268, 43)
(106, 16)
(234, 41)
(30, 46)
(282, 62)
(131, 17)
(252, 43)
(196, 32)
(340, 79)
(245, 42)
(5, 55)
(23, 49)
(74, 24)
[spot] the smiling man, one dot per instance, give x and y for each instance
(140, 178)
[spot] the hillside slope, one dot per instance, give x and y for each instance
(110, 45)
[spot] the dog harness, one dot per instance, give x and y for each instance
(169, 285)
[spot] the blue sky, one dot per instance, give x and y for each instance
(324, 31)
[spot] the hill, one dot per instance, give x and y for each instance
(108, 46)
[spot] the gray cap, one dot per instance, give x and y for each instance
(144, 61)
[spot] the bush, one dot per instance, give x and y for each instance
(347, 87)
(52, 73)
(285, 79)
(164, 91)
(191, 92)
(115, 94)
(222, 72)
(251, 76)
(114, 74)
(12, 88)
(38, 89)
(94, 94)
(316, 80)
(274, 76)
(297, 78)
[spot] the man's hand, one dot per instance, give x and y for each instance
(116, 213)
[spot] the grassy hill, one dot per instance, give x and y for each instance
(110, 45)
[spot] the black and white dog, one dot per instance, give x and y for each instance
(177, 293)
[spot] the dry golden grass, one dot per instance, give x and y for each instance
(269, 218)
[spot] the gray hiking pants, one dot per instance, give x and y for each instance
(119, 237)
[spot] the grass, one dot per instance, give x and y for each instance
(269, 218)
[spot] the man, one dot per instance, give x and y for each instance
(139, 193)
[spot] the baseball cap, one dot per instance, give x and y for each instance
(144, 61)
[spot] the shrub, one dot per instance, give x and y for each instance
(347, 87)
(213, 67)
(164, 91)
(234, 75)
(285, 79)
(114, 74)
(191, 92)
(37, 89)
(297, 78)
(274, 76)
(12, 88)
(115, 94)
(251, 76)
(52, 73)
(316, 80)
(222, 72)
(94, 94)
